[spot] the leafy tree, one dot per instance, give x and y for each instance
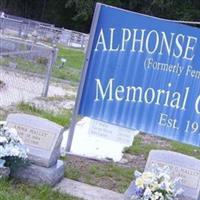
(77, 14)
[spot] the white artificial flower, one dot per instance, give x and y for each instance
(147, 193)
(148, 177)
(137, 174)
(3, 140)
(157, 196)
(157, 185)
(2, 123)
(12, 144)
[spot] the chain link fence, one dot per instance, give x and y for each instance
(28, 55)
(25, 70)
(39, 31)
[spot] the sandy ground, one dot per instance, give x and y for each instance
(20, 87)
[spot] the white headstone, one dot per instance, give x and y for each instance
(94, 139)
(111, 132)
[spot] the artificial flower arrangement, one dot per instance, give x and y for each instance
(157, 185)
(13, 154)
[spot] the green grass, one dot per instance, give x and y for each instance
(11, 190)
(70, 71)
(72, 173)
(139, 146)
(185, 149)
(122, 176)
(106, 175)
(24, 65)
(29, 66)
(66, 73)
(72, 68)
(74, 57)
(62, 118)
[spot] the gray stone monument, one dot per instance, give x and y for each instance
(43, 139)
(186, 167)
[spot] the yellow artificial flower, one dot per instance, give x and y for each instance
(139, 182)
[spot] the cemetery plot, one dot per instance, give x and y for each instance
(30, 29)
(117, 176)
(43, 138)
(25, 76)
(24, 53)
(28, 54)
(40, 136)
(18, 54)
(180, 165)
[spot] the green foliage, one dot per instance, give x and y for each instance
(74, 57)
(185, 149)
(94, 174)
(72, 173)
(11, 190)
(24, 64)
(139, 147)
(71, 70)
(72, 67)
(77, 14)
(62, 118)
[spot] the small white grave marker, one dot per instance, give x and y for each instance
(111, 132)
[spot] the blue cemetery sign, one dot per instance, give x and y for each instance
(143, 73)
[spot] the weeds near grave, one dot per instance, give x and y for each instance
(62, 118)
(72, 173)
(12, 190)
(185, 149)
(138, 147)
(142, 146)
(106, 175)
(118, 176)
(71, 70)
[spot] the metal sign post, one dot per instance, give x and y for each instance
(83, 75)
(48, 74)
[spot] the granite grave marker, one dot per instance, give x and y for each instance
(186, 167)
(43, 139)
(40, 136)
